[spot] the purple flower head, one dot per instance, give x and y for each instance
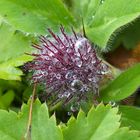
(67, 65)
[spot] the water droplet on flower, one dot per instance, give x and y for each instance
(75, 77)
(58, 76)
(69, 75)
(50, 53)
(80, 46)
(76, 84)
(69, 64)
(103, 72)
(50, 68)
(46, 57)
(69, 50)
(66, 94)
(93, 61)
(60, 96)
(85, 57)
(61, 46)
(84, 88)
(54, 60)
(44, 73)
(93, 79)
(78, 62)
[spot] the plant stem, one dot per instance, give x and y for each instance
(27, 135)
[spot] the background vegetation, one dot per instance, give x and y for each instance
(113, 26)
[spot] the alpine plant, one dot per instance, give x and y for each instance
(68, 67)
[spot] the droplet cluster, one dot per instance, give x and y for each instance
(67, 65)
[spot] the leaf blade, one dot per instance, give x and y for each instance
(123, 86)
(90, 127)
(130, 117)
(110, 16)
(12, 122)
(12, 51)
(34, 16)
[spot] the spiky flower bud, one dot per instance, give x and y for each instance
(68, 66)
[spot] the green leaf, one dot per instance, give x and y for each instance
(110, 16)
(6, 99)
(85, 10)
(8, 70)
(35, 16)
(130, 117)
(100, 123)
(43, 127)
(129, 36)
(12, 48)
(123, 86)
(125, 134)
(93, 6)
(13, 43)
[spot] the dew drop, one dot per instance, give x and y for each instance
(46, 57)
(60, 96)
(75, 107)
(67, 94)
(58, 76)
(75, 77)
(69, 50)
(54, 60)
(44, 73)
(93, 61)
(69, 75)
(78, 62)
(50, 53)
(112, 103)
(84, 88)
(69, 113)
(85, 57)
(50, 68)
(93, 17)
(77, 84)
(102, 1)
(103, 72)
(61, 47)
(80, 45)
(93, 79)
(27, 34)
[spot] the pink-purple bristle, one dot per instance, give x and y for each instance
(61, 65)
